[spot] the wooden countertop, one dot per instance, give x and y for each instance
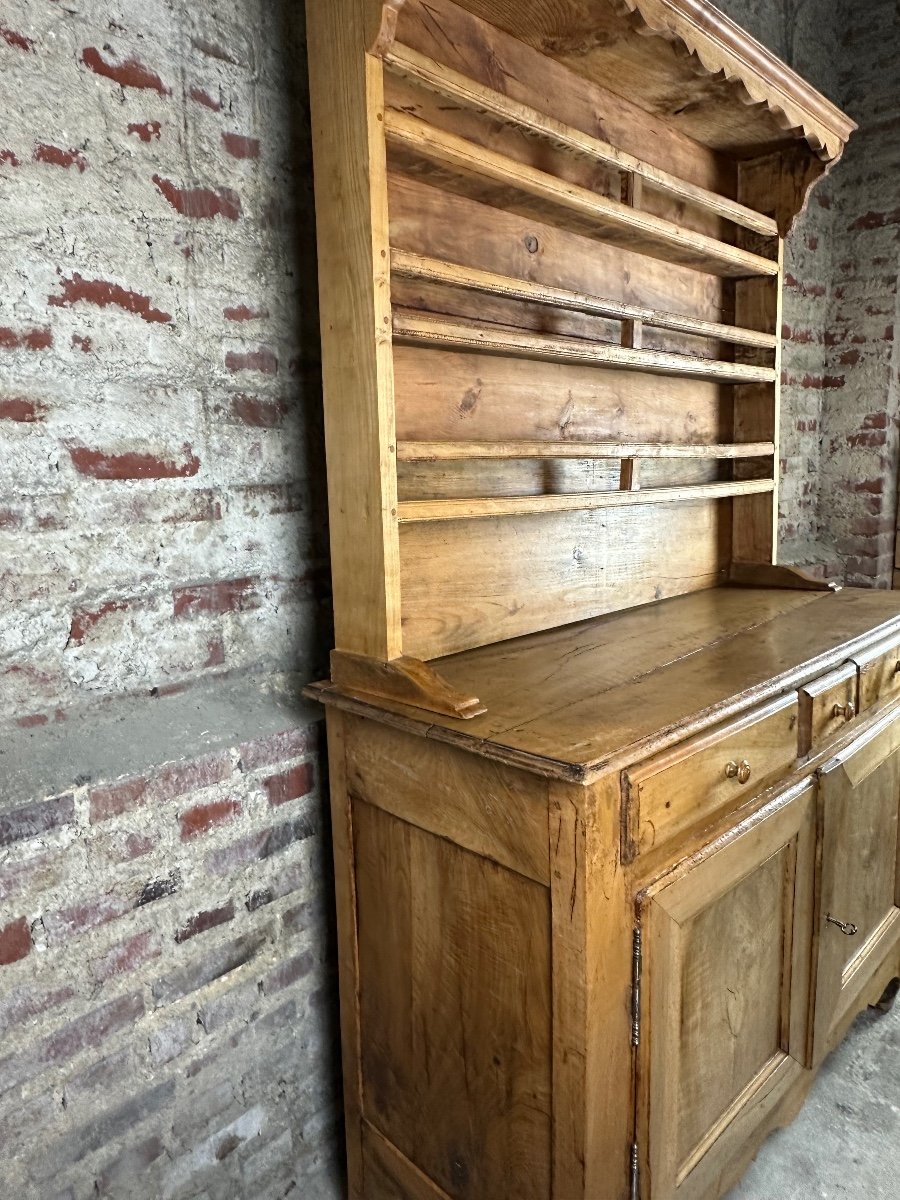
(573, 701)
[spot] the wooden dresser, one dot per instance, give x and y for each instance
(616, 797)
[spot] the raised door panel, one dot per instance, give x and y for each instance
(859, 911)
(725, 1008)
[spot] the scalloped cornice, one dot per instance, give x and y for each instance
(721, 48)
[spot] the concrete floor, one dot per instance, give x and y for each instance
(845, 1144)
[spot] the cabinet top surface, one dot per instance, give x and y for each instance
(573, 700)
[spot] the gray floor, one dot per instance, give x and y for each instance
(846, 1141)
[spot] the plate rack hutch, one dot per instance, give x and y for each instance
(615, 796)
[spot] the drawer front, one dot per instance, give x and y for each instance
(879, 673)
(709, 773)
(827, 706)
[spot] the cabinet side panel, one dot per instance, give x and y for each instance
(354, 271)
(454, 955)
(482, 806)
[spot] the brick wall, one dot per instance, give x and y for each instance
(859, 470)
(841, 409)
(166, 989)
(166, 996)
(161, 507)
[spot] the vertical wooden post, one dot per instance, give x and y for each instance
(348, 953)
(757, 407)
(347, 95)
(592, 925)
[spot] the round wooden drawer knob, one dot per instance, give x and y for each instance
(739, 771)
(847, 711)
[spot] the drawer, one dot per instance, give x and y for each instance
(827, 705)
(879, 673)
(709, 773)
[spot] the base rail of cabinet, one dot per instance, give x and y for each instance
(404, 680)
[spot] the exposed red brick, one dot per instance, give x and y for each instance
(243, 312)
(130, 72)
(111, 800)
(812, 242)
(56, 156)
(204, 98)
(20, 408)
(94, 1028)
(849, 358)
(879, 420)
(100, 464)
(215, 656)
(876, 220)
(32, 820)
(261, 845)
(871, 438)
(799, 336)
(85, 620)
(17, 40)
(261, 359)
(9, 156)
(226, 595)
(290, 785)
(128, 956)
(25, 339)
(103, 293)
(292, 970)
(874, 486)
(68, 922)
(200, 202)
(120, 846)
(145, 130)
(278, 747)
(823, 199)
(204, 921)
(15, 941)
(240, 146)
(202, 817)
(82, 343)
(176, 779)
(34, 720)
(258, 411)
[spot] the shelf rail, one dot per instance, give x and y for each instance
(424, 269)
(481, 173)
(419, 69)
(512, 506)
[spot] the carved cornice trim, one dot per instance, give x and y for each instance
(722, 48)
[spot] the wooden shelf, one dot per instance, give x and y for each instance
(418, 68)
(480, 173)
(444, 333)
(459, 451)
(419, 267)
(512, 506)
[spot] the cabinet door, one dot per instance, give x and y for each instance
(727, 941)
(859, 910)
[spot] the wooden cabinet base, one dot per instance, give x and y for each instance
(536, 1006)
